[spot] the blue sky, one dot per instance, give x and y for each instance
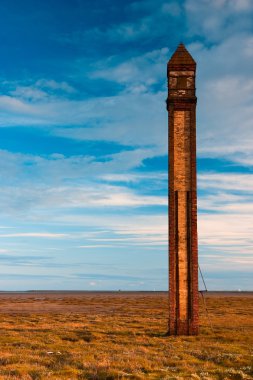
(83, 141)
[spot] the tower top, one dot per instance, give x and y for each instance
(181, 59)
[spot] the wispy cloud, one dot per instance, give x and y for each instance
(227, 181)
(218, 19)
(225, 221)
(47, 235)
(141, 19)
(138, 74)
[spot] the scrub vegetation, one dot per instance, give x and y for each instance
(122, 336)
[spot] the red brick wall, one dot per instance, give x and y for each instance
(185, 101)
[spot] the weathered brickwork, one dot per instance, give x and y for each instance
(182, 184)
(182, 161)
(183, 245)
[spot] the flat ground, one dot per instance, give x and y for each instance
(121, 335)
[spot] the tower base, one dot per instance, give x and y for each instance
(183, 328)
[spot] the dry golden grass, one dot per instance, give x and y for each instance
(122, 336)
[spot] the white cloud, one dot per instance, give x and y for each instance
(224, 232)
(225, 95)
(130, 177)
(33, 200)
(119, 228)
(51, 84)
(128, 119)
(218, 19)
(225, 226)
(88, 246)
(57, 168)
(144, 20)
(124, 119)
(47, 235)
(35, 183)
(28, 93)
(123, 199)
(226, 181)
(14, 105)
(156, 18)
(22, 95)
(139, 73)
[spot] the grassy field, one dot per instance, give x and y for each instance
(122, 336)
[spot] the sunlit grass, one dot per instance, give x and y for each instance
(123, 337)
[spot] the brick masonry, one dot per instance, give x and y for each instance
(183, 244)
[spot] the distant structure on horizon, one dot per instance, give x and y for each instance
(183, 240)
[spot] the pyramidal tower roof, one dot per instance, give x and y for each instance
(181, 57)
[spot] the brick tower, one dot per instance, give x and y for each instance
(183, 244)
